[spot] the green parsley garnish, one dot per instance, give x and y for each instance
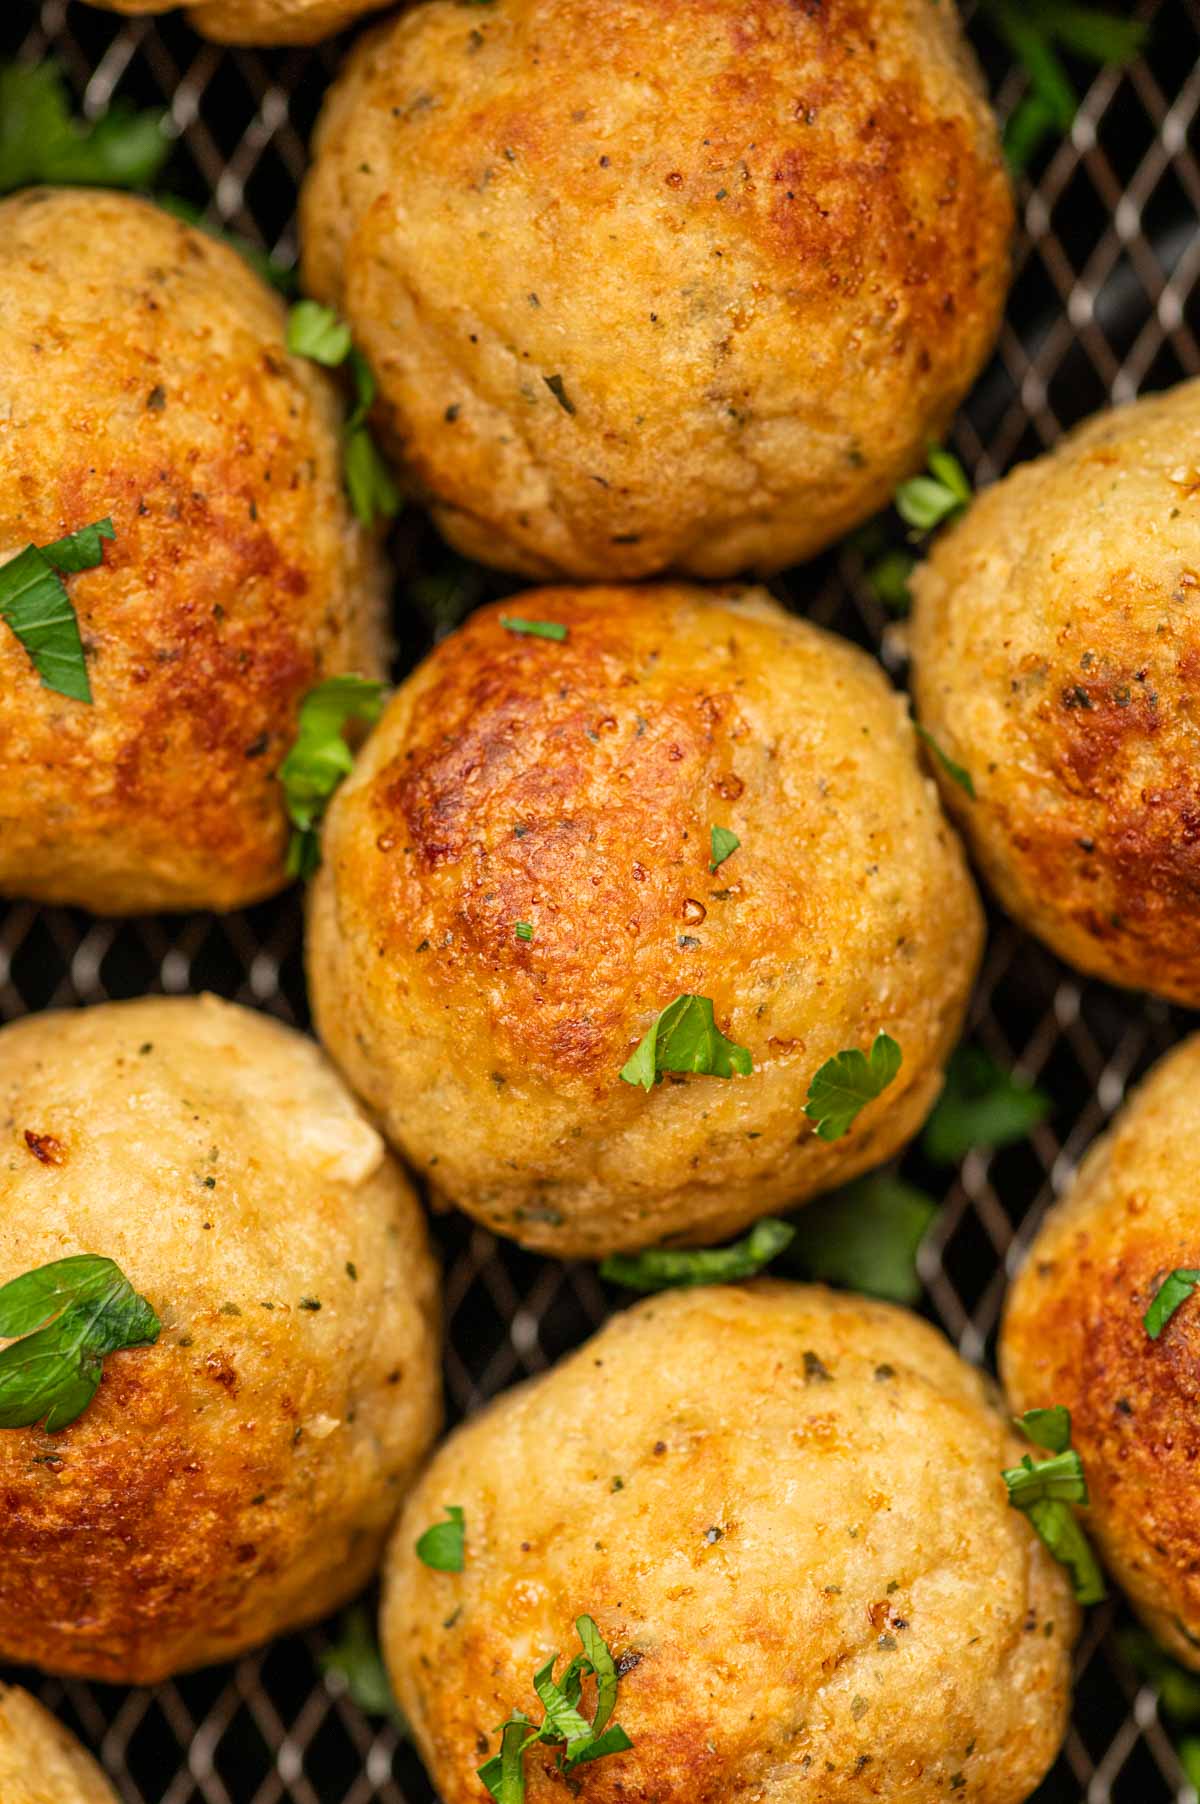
(866, 1236)
(1046, 1491)
(575, 1739)
(280, 276)
(846, 1083)
(957, 772)
(355, 1658)
(981, 1104)
(685, 1037)
(40, 141)
(722, 843)
(35, 604)
(317, 332)
(533, 629)
(523, 930)
(664, 1268)
(72, 1313)
(320, 758)
(1175, 1289)
(443, 1545)
(1035, 34)
(924, 502)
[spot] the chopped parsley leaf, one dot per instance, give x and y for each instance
(523, 930)
(664, 1268)
(320, 758)
(316, 332)
(442, 1546)
(866, 1236)
(1034, 35)
(960, 775)
(356, 1660)
(685, 1038)
(72, 1313)
(1174, 1290)
(1045, 1493)
(533, 629)
(575, 1740)
(1048, 1428)
(35, 604)
(846, 1083)
(981, 1104)
(924, 502)
(722, 844)
(40, 141)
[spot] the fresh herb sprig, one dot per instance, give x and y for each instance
(1036, 32)
(981, 1104)
(355, 1660)
(866, 1237)
(443, 1545)
(1045, 1491)
(1171, 1294)
(667, 1268)
(35, 604)
(71, 1314)
(320, 758)
(685, 1038)
(316, 332)
(41, 140)
(563, 1727)
(928, 501)
(846, 1083)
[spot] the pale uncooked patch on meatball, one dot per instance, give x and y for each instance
(661, 283)
(784, 1510)
(237, 1478)
(40, 1762)
(573, 787)
(1056, 644)
(1073, 1334)
(258, 21)
(146, 379)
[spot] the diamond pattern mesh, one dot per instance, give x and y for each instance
(1105, 305)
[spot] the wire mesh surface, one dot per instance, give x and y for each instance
(1104, 305)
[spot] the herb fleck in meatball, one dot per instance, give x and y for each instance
(518, 879)
(40, 1763)
(784, 1510)
(146, 380)
(1056, 642)
(1074, 1335)
(237, 1478)
(654, 284)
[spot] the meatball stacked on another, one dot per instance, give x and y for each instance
(517, 880)
(784, 1510)
(1074, 1334)
(655, 284)
(40, 1763)
(258, 21)
(237, 1478)
(1056, 642)
(146, 379)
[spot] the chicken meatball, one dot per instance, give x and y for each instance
(146, 380)
(40, 1763)
(237, 1477)
(657, 284)
(1074, 1334)
(1056, 641)
(519, 879)
(258, 21)
(784, 1511)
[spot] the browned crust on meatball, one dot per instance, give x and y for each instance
(257, 21)
(147, 380)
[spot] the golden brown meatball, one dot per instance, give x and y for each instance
(40, 1763)
(238, 1477)
(1073, 1334)
(258, 21)
(570, 789)
(1057, 648)
(661, 283)
(146, 379)
(784, 1510)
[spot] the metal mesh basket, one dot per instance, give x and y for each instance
(1104, 306)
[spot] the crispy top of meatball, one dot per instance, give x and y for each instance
(1056, 642)
(146, 379)
(258, 21)
(215, 1156)
(1073, 1334)
(784, 1510)
(657, 284)
(40, 1763)
(570, 788)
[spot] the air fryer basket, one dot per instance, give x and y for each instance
(1105, 305)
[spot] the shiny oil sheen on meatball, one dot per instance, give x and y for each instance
(518, 879)
(237, 1478)
(1074, 1334)
(1056, 642)
(783, 1509)
(657, 284)
(40, 1762)
(258, 21)
(146, 380)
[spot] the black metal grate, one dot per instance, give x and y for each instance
(1105, 305)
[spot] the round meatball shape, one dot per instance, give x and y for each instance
(258, 21)
(1056, 642)
(518, 879)
(784, 1511)
(1074, 1334)
(147, 381)
(237, 1478)
(655, 284)
(40, 1762)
